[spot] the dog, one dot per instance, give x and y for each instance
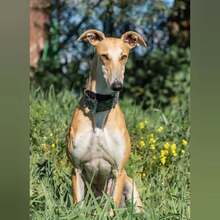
(98, 140)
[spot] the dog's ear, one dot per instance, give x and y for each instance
(92, 36)
(133, 39)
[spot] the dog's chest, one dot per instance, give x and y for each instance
(100, 145)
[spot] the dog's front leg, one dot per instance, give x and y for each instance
(78, 186)
(119, 187)
(131, 194)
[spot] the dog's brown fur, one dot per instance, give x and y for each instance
(109, 64)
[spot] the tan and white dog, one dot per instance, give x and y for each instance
(98, 140)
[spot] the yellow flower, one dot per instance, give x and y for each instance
(183, 151)
(166, 146)
(141, 143)
(184, 142)
(160, 129)
(143, 174)
(152, 141)
(151, 135)
(152, 146)
(154, 157)
(164, 153)
(53, 145)
(141, 125)
(173, 149)
(163, 160)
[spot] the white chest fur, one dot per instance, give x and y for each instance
(99, 147)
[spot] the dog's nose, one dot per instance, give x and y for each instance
(116, 86)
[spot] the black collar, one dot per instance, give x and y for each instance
(99, 97)
(98, 102)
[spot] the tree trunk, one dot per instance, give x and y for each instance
(38, 23)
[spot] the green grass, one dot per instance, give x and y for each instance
(164, 189)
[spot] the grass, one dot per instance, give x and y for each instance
(159, 162)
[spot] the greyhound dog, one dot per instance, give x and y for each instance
(98, 140)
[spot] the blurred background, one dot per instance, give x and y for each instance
(158, 76)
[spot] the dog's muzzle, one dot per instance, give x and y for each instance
(116, 86)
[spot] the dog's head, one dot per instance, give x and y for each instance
(113, 53)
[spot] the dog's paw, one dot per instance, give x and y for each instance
(111, 213)
(139, 209)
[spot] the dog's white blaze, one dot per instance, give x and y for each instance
(115, 53)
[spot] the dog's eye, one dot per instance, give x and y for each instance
(123, 57)
(105, 57)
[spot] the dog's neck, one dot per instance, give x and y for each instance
(97, 83)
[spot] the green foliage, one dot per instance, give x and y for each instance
(157, 79)
(156, 76)
(164, 187)
(160, 78)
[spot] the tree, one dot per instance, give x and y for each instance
(39, 19)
